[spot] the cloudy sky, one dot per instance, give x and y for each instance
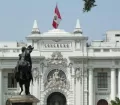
(17, 16)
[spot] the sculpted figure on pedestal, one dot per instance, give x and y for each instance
(23, 73)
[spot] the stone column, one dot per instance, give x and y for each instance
(113, 83)
(119, 82)
(91, 87)
(1, 93)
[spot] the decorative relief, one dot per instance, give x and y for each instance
(78, 73)
(56, 45)
(36, 73)
(57, 59)
(56, 78)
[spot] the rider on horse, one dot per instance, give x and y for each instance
(28, 59)
(23, 75)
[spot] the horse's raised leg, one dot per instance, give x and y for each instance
(21, 86)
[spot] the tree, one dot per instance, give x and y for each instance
(88, 4)
(116, 101)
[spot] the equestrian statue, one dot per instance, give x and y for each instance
(23, 70)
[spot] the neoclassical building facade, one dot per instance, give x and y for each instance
(67, 70)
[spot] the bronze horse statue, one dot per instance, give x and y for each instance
(23, 73)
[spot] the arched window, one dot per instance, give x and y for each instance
(102, 102)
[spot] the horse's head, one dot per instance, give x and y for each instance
(30, 48)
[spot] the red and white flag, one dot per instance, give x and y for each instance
(57, 18)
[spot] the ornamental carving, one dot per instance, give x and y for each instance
(56, 78)
(78, 74)
(35, 73)
(57, 59)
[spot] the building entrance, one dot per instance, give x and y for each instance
(56, 98)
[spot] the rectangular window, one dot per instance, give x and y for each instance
(102, 80)
(96, 50)
(11, 81)
(118, 35)
(106, 50)
(6, 50)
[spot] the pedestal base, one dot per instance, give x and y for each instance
(21, 103)
(22, 100)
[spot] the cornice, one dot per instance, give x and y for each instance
(96, 57)
(16, 58)
(59, 38)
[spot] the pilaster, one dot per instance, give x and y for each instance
(73, 86)
(113, 83)
(91, 87)
(78, 87)
(119, 82)
(1, 91)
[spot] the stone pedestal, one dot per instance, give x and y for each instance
(22, 100)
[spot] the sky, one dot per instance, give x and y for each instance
(17, 16)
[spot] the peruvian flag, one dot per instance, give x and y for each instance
(57, 18)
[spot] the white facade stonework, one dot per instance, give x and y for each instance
(65, 66)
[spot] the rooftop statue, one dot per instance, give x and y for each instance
(23, 73)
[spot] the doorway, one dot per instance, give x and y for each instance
(56, 98)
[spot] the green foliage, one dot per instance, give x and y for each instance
(88, 4)
(116, 101)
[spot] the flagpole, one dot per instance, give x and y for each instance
(56, 3)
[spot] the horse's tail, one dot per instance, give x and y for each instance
(32, 80)
(16, 74)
